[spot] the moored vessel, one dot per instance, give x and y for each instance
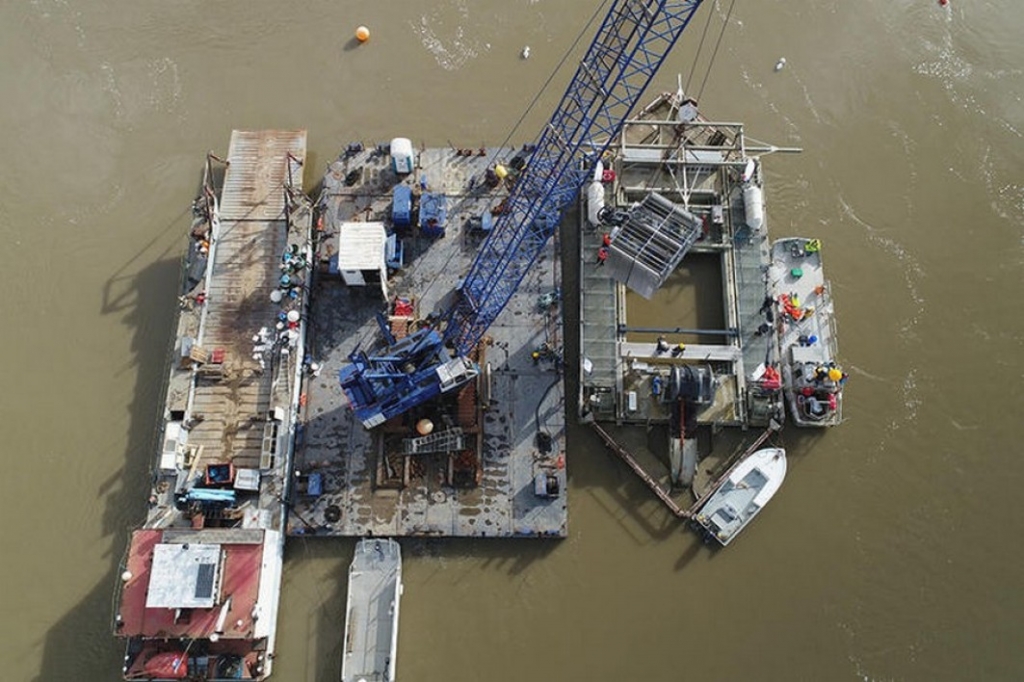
(199, 587)
(812, 380)
(742, 494)
(371, 612)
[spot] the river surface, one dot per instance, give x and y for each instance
(891, 553)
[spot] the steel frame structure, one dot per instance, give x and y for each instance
(627, 51)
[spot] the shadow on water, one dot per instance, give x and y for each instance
(511, 556)
(80, 645)
(696, 547)
(326, 616)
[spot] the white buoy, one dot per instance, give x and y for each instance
(779, 65)
(276, 296)
(126, 576)
(526, 52)
(293, 315)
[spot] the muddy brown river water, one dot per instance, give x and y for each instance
(889, 554)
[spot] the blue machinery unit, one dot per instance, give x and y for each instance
(633, 41)
(433, 214)
(401, 206)
(409, 373)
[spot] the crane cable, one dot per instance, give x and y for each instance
(696, 56)
(558, 68)
(715, 53)
(693, 69)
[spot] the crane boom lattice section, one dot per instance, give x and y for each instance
(630, 46)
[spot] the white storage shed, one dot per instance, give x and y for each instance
(361, 255)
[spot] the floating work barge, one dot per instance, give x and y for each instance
(680, 195)
(694, 171)
(371, 612)
(198, 592)
(485, 460)
(812, 380)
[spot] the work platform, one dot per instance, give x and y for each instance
(198, 589)
(680, 213)
(698, 167)
(231, 397)
(497, 467)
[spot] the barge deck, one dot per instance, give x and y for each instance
(493, 464)
(199, 587)
(371, 612)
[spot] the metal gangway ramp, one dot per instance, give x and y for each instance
(231, 398)
(449, 440)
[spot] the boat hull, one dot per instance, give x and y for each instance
(743, 493)
(371, 620)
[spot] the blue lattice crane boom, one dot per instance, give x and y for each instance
(632, 42)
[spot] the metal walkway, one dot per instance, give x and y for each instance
(449, 440)
(750, 254)
(232, 397)
(599, 325)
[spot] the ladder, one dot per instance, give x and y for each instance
(448, 440)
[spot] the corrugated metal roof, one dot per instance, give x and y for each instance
(361, 246)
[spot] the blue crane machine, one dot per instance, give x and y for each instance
(630, 46)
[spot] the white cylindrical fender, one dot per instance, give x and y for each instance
(753, 206)
(595, 202)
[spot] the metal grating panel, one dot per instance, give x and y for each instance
(651, 243)
(257, 173)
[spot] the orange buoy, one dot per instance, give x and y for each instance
(362, 34)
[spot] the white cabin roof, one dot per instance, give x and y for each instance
(361, 246)
(184, 576)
